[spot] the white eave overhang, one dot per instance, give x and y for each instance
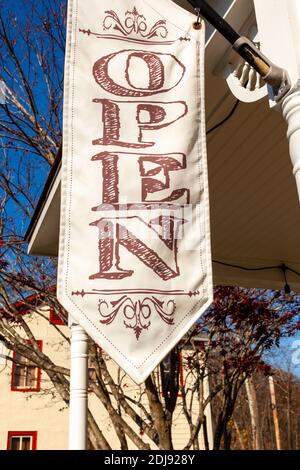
(43, 236)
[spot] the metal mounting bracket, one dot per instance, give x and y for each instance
(274, 76)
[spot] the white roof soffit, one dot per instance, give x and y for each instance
(255, 213)
(44, 237)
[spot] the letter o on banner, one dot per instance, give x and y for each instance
(113, 73)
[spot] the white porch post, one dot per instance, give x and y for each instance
(291, 113)
(78, 389)
(280, 42)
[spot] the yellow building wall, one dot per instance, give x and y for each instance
(47, 414)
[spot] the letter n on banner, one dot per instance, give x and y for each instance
(134, 259)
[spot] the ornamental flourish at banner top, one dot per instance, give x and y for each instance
(134, 262)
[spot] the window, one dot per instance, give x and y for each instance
(21, 440)
(25, 376)
(55, 319)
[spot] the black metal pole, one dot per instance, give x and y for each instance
(275, 76)
(215, 20)
(246, 50)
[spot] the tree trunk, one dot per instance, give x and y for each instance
(221, 427)
(254, 415)
(219, 432)
(95, 435)
(225, 415)
(205, 434)
(275, 412)
(288, 412)
(162, 423)
(239, 435)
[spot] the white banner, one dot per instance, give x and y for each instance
(134, 261)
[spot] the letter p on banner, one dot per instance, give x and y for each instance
(134, 258)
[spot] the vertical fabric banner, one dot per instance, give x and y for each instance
(135, 260)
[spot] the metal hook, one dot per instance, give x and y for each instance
(197, 24)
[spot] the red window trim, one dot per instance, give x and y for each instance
(32, 434)
(181, 380)
(54, 319)
(181, 372)
(14, 388)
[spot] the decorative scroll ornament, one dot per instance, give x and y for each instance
(134, 259)
(134, 23)
(133, 28)
(137, 313)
